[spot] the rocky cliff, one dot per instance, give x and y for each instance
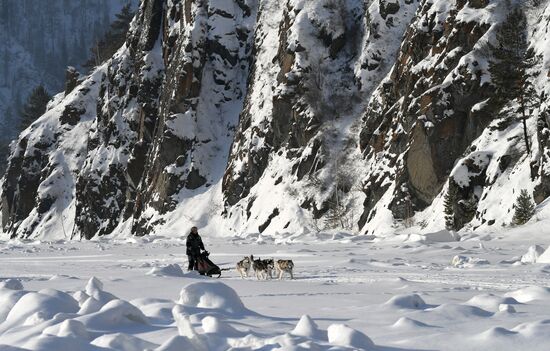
(247, 116)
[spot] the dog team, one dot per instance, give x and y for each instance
(264, 268)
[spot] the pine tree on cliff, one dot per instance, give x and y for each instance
(448, 200)
(112, 39)
(511, 71)
(525, 208)
(34, 107)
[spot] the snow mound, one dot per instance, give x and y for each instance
(534, 330)
(177, 343)
(532, 254)
(50, 342)
(308, 328)
(114, 313)
(530, 293)
(342, 335)
(442, 236)
(8, 298)
(80, 296)
(213, 325)
(414, 302)
(13, 284)
(68, 327)
(453, 311)
(459, 261)
(409, 323)
(94, 288)
(490, 302)
(544, 257)
(495, 333)
(171, 270)
(123, 342)
(186, 330)
(211, 295)
(39, 306)
(90, 305)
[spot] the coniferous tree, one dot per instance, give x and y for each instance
(448, 201)
(34, 107)
(525, 208)
(113, 39)
(511, 71)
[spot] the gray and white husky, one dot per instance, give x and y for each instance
(243, 266)
(263, 268)
(284, 266)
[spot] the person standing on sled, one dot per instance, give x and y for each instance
(194, 246)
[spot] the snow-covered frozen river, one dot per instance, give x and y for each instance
(400, 295)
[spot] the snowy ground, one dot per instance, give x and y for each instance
(401, 295)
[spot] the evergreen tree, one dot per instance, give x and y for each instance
(113, 39)
(448, 201)
(35, 106)
(525, 208)
(511, 72)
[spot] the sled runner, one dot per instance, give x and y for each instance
(207, 267)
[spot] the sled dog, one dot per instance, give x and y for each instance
(263, 268)
(243, 266)
(284, 266)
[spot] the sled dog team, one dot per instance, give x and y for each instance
(264, 268)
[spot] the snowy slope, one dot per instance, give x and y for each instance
(297, 117)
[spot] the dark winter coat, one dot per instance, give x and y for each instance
(194, 244)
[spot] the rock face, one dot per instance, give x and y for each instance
(265, 116)
(422, 117)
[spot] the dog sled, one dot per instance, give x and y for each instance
(207, 267)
